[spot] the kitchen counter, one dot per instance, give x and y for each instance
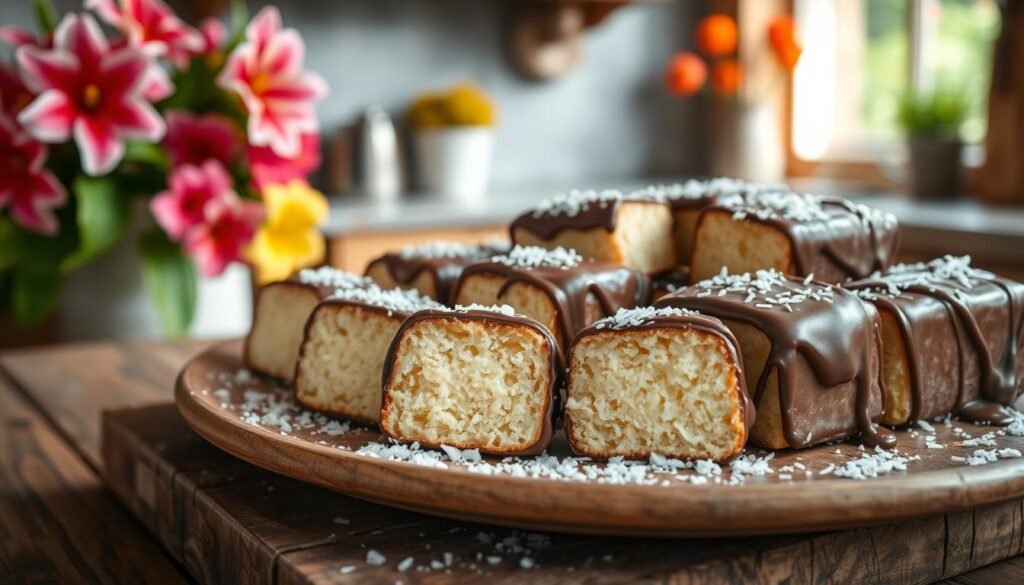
(959, 226)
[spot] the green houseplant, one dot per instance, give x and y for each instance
(932, 122)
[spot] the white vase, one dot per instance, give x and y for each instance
(455, 163)
(106, 299)
(748, 143)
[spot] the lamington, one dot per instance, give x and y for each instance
(688, 199)
(342, 354)
(951, 337)
(635, 232)
(794, 233)
(279, 319)
(431, 268)
(558, 288)
(811, 355)
(663, 381)
(473, 378)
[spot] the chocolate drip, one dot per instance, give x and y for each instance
(571, 289)
(963, 297)
(832, 238)
(838, 340)
(555, 374)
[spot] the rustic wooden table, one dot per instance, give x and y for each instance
(101, 481)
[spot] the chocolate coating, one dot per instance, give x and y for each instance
(669, 281)
(834, 333)
(832, 238)
(581, 294)
(405, 266)
(576, 211)
(962, 329)
(555, 374)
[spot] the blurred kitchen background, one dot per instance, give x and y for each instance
(446, 118)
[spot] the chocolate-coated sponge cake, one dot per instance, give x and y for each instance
(952, 337)
(558, 288)
(635, 232)
(797, 234)
(811, 355)
(688, 199)
(666, 381)
(342, 355)
(431, 268)
(280, 315)
(472, 378)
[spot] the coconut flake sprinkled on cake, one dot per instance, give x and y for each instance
(766, 289)
(393, 299)
(625, 318)
(445, 249)
(801, 207)
(507, 310)
(694, 189)
(535, 256)
(895, 281)
(330, 276)
(572, 203)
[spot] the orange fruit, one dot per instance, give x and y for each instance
(686, 74)
(782, 37)
(726, 76)
(717, 35)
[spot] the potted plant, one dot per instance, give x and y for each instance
(453, 142)
(183, 150)
(932, 122)
(748, 140)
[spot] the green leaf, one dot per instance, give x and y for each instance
(170, 277)
(103, 212)
(34, 293)
(239, 20)
(46, 17)
(8, 243)
(146, 153)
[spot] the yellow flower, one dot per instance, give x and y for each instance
(288, 239)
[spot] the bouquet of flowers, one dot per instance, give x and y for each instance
(213, 130)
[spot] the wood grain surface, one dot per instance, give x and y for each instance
(215, 505)
(57, 522)
(934, 484)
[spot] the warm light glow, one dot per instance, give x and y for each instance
(814, 80)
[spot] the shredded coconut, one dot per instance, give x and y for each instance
(574, 202)
(766, 289)
(392, 299)
(626, 318)
(330, 276)
(445, 249)
(535, 256)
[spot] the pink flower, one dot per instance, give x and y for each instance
(191, 189)
(14, 96)
(268, 168)
(16, 37)
(214, 34)
(266, 71)
(196, 139)
(31, 191)
(152, 25)
(90, 91)
(230, 224)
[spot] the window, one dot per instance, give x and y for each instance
(862, 56)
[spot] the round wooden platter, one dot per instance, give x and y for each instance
(230, 410)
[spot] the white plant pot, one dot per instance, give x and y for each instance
(106, 299)
(455, 163)
(748, 144)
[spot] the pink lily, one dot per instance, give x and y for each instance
(196, 139)
(214, 33)
(230, 225)
(268, 168)
(190, 190)
(152, 25)
(14, 96)
(266, 72)
(16, 36)
(89, 91)
(28, 188)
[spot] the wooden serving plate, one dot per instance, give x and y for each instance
(794, 502)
